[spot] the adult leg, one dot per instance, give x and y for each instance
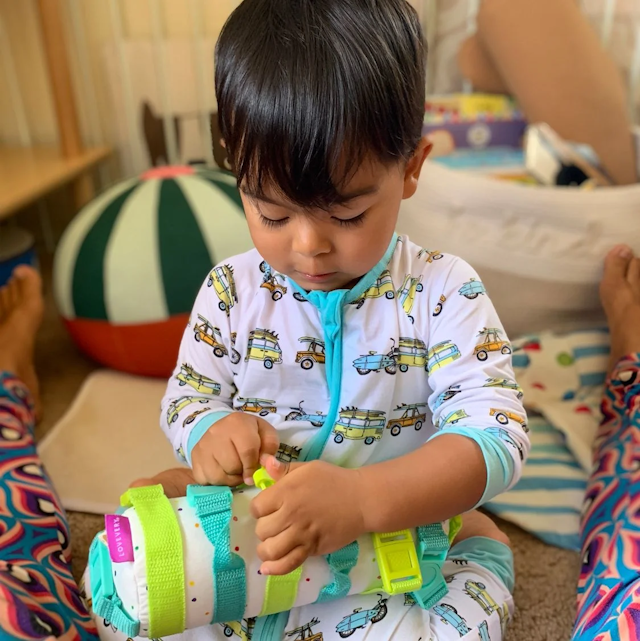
(38, 596)
(609, 585)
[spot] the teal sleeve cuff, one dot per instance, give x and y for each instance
(500, 465)
(200, 429)
(490, 554)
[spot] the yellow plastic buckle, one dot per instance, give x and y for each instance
(398, 562)
(262, 479)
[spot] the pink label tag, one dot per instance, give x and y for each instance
(119, 538)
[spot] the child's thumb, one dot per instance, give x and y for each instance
(275, 468)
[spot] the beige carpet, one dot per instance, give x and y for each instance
(546, 576)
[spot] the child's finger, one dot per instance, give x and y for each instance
(277, 547)
(220, 477)
(210, 473)
(277, 469)
(227, 457)
(248, 452)
(269, 439)
(271, 525)
(231, 481)
(287, 564)
(266, 502)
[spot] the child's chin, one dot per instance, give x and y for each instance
(331, 284)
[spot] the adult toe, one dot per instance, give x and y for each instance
(616, 267)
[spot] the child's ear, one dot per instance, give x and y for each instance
(414, 167)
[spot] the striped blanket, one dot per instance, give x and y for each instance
(563, 380)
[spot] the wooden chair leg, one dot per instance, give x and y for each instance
(83, 190)
(54, 40)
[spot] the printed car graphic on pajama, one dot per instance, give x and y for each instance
(361, 618)
(222, 281)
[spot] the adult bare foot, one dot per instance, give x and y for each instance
(21, 309)
(174, 482)
(620, 294)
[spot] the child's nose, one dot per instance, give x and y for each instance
(310, 240)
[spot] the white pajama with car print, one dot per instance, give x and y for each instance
(356, 377)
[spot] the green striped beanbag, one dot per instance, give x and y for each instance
(130, 264)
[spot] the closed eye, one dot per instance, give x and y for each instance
(273, 224)
(352, 222)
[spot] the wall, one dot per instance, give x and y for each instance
(22, 31)
(21, 21)
(20, 18)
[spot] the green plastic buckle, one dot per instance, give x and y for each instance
(398, 562)
(262, 479)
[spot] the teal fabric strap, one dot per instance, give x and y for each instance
(213, 507)
(270, 628)
(341, 564)
(112, 613)
(105, 600)
(433, 546)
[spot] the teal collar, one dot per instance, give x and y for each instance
(365, 283)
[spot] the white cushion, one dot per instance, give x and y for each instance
(538, 250)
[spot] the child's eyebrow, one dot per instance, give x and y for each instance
(346, 198)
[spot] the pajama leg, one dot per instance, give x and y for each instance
(38, 596)
(479, 573)
(609, 585)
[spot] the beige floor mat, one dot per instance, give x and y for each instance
(109, 436)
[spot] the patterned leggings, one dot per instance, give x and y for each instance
(609, 586)
(38, 597)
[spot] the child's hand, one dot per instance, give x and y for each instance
(229, 452)
(313, 509)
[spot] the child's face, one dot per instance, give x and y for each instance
(333, 250)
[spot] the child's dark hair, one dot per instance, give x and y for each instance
(308, 89)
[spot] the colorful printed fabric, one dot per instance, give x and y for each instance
(562, 377)
(609, 585)
(38, 596)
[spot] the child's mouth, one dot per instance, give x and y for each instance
(318, 278)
